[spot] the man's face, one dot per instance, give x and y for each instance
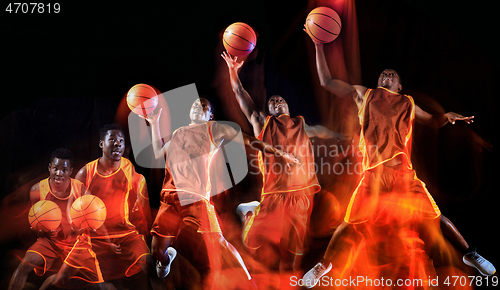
(201, 111)
(277, 106)
(60, 171)
(389, 79)
(113, 145)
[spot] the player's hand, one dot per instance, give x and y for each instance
(45, 234)
(152, 118)
(115, 248)
(289, 157)
(232, 62)
(453, 117)
(316, 42)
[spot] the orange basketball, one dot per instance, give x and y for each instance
(142, 99)
(45, 215)
(88, 212)
(239, 39)
(323, 24)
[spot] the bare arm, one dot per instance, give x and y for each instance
(247, 105)
(336, 86)
(35, 193)
(439, 120)
(159, 149)
(224, 133)
(322, 132)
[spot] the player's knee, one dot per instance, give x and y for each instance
(61, 279)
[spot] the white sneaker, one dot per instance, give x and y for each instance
(163, 270)
(244, 208)
(311, 278)
(475, 260)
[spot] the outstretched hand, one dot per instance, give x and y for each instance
(316, 42)
(232, 62)
(453, 117)
(152, 118)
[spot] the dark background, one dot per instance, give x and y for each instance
(63, 76)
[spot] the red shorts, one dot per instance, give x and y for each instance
(172, 216)
(49, 250)
(281, 219)
(387, 194)
(97, 253)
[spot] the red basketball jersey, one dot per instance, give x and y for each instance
(115, 191)
(289, 135)
(386, 120)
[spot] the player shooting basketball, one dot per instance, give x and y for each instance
(386, 118)
(185, 196)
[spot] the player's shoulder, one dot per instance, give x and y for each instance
(35, 187)
(81, 175)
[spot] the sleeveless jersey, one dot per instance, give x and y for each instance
(115, 192)
(189, 157)
(289, 135)
(63, 233)
(386, 120)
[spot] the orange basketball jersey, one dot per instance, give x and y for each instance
(64, 232)
(115, 191)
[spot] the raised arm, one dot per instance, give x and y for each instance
(336, 86)
(439, 120)
(159, 148)
(247, 105)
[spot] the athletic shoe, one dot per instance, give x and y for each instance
(475, 260)
(246, 208)
(163, 270)
(311, 278)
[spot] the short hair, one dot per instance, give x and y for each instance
(212, 108)
(104, 130)
(62, 153)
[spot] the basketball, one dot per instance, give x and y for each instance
(323, 24)
(88, 212)
(142, 99)
(45, 215)
(239, 39)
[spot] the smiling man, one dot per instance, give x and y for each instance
(62, 190)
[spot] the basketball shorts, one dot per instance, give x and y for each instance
(49, 250)
(97, 253)
(390, 194)
(172, 216)
(281, 219)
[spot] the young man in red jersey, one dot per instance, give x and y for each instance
(386, 118)
(186, 189)
(62, 190)
(275, 228)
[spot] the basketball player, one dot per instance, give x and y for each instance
(385, 142)
(120, 249)
(185, 196)
(275, 234)
(62, 190)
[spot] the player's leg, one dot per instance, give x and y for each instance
(163, 254)
(471, 258)
(29, 262)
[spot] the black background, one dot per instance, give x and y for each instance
(63, 76)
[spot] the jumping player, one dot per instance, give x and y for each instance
(185, 196)
(62, 190)
(386, 118)
(275, 234)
